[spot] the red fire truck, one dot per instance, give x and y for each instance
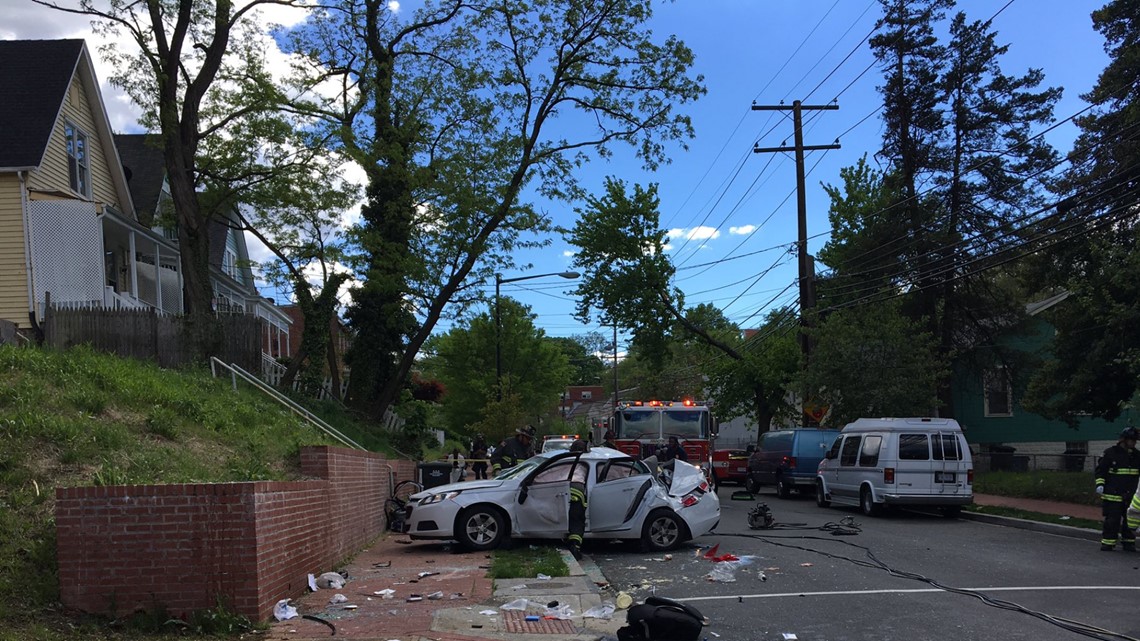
(640, 428)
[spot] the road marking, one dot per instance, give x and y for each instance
(911, 591)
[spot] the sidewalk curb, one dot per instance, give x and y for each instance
(1035, 526)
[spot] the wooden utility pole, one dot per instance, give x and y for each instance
(806, 264)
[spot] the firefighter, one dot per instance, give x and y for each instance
(1116, 476)
(513, 451)
(673, 451)
(577, 521)
(609, 440)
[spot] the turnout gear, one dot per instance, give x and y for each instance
(577, 521)
(514, 450)
(1116, 477)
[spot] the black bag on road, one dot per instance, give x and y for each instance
(661, 619)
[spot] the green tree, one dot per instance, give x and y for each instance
(452, 114)
(873, 361)
(1095, 356)
(197, 70)
(626, 281)
(535, 371)
(586, 366)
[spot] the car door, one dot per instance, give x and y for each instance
(914, 471)
(949, 472)
(542, 504)
(847, 472)
(617, 495)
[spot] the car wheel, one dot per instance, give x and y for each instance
(663, 530)
(867, 503)
(480, 527)
(782, 489)
(751, 485)
(952, 511)
(820, 495)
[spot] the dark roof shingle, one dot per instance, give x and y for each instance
(34, 77)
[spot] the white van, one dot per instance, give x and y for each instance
(878, 462)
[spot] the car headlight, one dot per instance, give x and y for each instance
(440, 497)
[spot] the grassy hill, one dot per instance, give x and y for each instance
(84, 418)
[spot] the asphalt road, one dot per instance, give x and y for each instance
(825, 587)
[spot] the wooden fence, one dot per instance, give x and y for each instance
(146, 335)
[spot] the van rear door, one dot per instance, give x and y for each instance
(950, 465)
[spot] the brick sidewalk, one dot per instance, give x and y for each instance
(390, 564)
(1091, 512)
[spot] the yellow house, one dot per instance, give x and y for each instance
(67, 222)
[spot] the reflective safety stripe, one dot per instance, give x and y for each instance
(1128, 471)
(575, 538)
(1099, 481)
(577, 495)
(1108, 541)
(1115, 498)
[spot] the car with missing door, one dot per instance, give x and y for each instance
(662, 507)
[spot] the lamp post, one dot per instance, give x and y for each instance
(499, 280)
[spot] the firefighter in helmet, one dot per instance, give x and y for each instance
(1116, 477)
(513, 451)
(577, 520)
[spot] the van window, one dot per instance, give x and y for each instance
(913, 447)
(833, 453)
(776, 441)
(869, 457)
(950, 451)
(814, 443)
(850, 450)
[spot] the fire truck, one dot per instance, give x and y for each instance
(640, 428)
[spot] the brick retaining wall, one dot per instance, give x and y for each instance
(185, 547)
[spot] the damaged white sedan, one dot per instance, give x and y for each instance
(626, 500)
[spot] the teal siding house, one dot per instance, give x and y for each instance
(988, 383)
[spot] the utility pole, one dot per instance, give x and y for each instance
(806, 263)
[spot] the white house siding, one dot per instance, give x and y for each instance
(52, 175)
(13, 272)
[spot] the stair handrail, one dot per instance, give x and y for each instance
(237, 372)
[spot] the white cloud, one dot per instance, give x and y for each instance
(567, 253)
(694, 233)
(743, 230)
(394, 6)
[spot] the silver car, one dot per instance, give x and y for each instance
(662, 508)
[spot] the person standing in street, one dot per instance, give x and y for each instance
(458, 465)
(673, 451)
(513, 451)
(577, 520)
(1116, 477)
(478, 454)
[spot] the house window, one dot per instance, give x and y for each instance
(998, 393)
(78, 169)
(587, 395)
(229, 263)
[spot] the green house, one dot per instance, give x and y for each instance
(988, 384)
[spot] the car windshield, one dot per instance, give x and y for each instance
(521, 469)
(557, 444)
(648, 423)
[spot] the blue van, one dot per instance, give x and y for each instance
(787, 459)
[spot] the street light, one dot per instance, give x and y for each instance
(499, 280)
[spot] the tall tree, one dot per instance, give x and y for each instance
(1095, 361)
(626, 281)
(452, 114)
(873, 361)
(535, 371)
(197, 70)
(586, 366)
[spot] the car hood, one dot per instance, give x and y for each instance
(466, 486)
(686, 478)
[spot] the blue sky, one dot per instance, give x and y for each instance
(720, 200)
